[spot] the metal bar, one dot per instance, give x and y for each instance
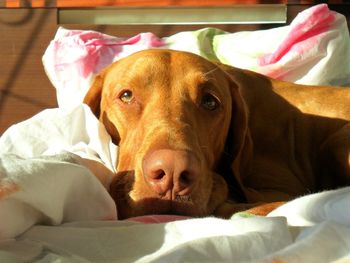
(236, 14)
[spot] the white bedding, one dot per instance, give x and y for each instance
(52, 209)
(76, 218)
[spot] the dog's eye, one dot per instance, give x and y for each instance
(209, 102)
(126, 96)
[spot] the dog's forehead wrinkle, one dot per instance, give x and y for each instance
(160, 67)
(149, 64)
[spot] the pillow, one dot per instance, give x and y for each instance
(313, 49)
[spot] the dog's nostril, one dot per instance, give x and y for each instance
(159, 175)
(185, 178)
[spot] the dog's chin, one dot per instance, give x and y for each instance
(157, 206)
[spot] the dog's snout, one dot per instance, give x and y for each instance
(171, 173)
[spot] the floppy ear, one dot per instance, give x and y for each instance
(93, 100)
(239, 145)
(93, 96)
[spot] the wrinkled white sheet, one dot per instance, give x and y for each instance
(240, 239)
(41, 180)
(54, 210)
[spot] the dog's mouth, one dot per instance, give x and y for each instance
(156, 206)
(149, 204)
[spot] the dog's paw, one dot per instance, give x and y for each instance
(229, 208)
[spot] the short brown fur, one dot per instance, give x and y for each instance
(267, 140)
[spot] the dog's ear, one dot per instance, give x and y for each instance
(93, 96)
(239, 145)
(93, 100)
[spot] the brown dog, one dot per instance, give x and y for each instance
(197, 138)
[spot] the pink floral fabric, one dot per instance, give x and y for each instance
(313, 49)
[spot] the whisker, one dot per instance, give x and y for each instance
(227, 154)
(210, 71)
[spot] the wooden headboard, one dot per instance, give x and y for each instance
(27, 27)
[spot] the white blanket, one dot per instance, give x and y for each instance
(57, 194)
(54, 210)
(40, 176)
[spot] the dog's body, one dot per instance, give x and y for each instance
(188, 128)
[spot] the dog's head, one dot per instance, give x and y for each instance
(170, 112)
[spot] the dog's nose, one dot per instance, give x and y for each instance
(171, 173)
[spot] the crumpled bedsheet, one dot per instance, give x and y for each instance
(53, 209)
(75, 219)
(41, 179)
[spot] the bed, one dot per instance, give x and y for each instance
(54, 209)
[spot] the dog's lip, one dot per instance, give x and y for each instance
(155, 206)
(150, 219)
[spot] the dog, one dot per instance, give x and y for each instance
(200, 138)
